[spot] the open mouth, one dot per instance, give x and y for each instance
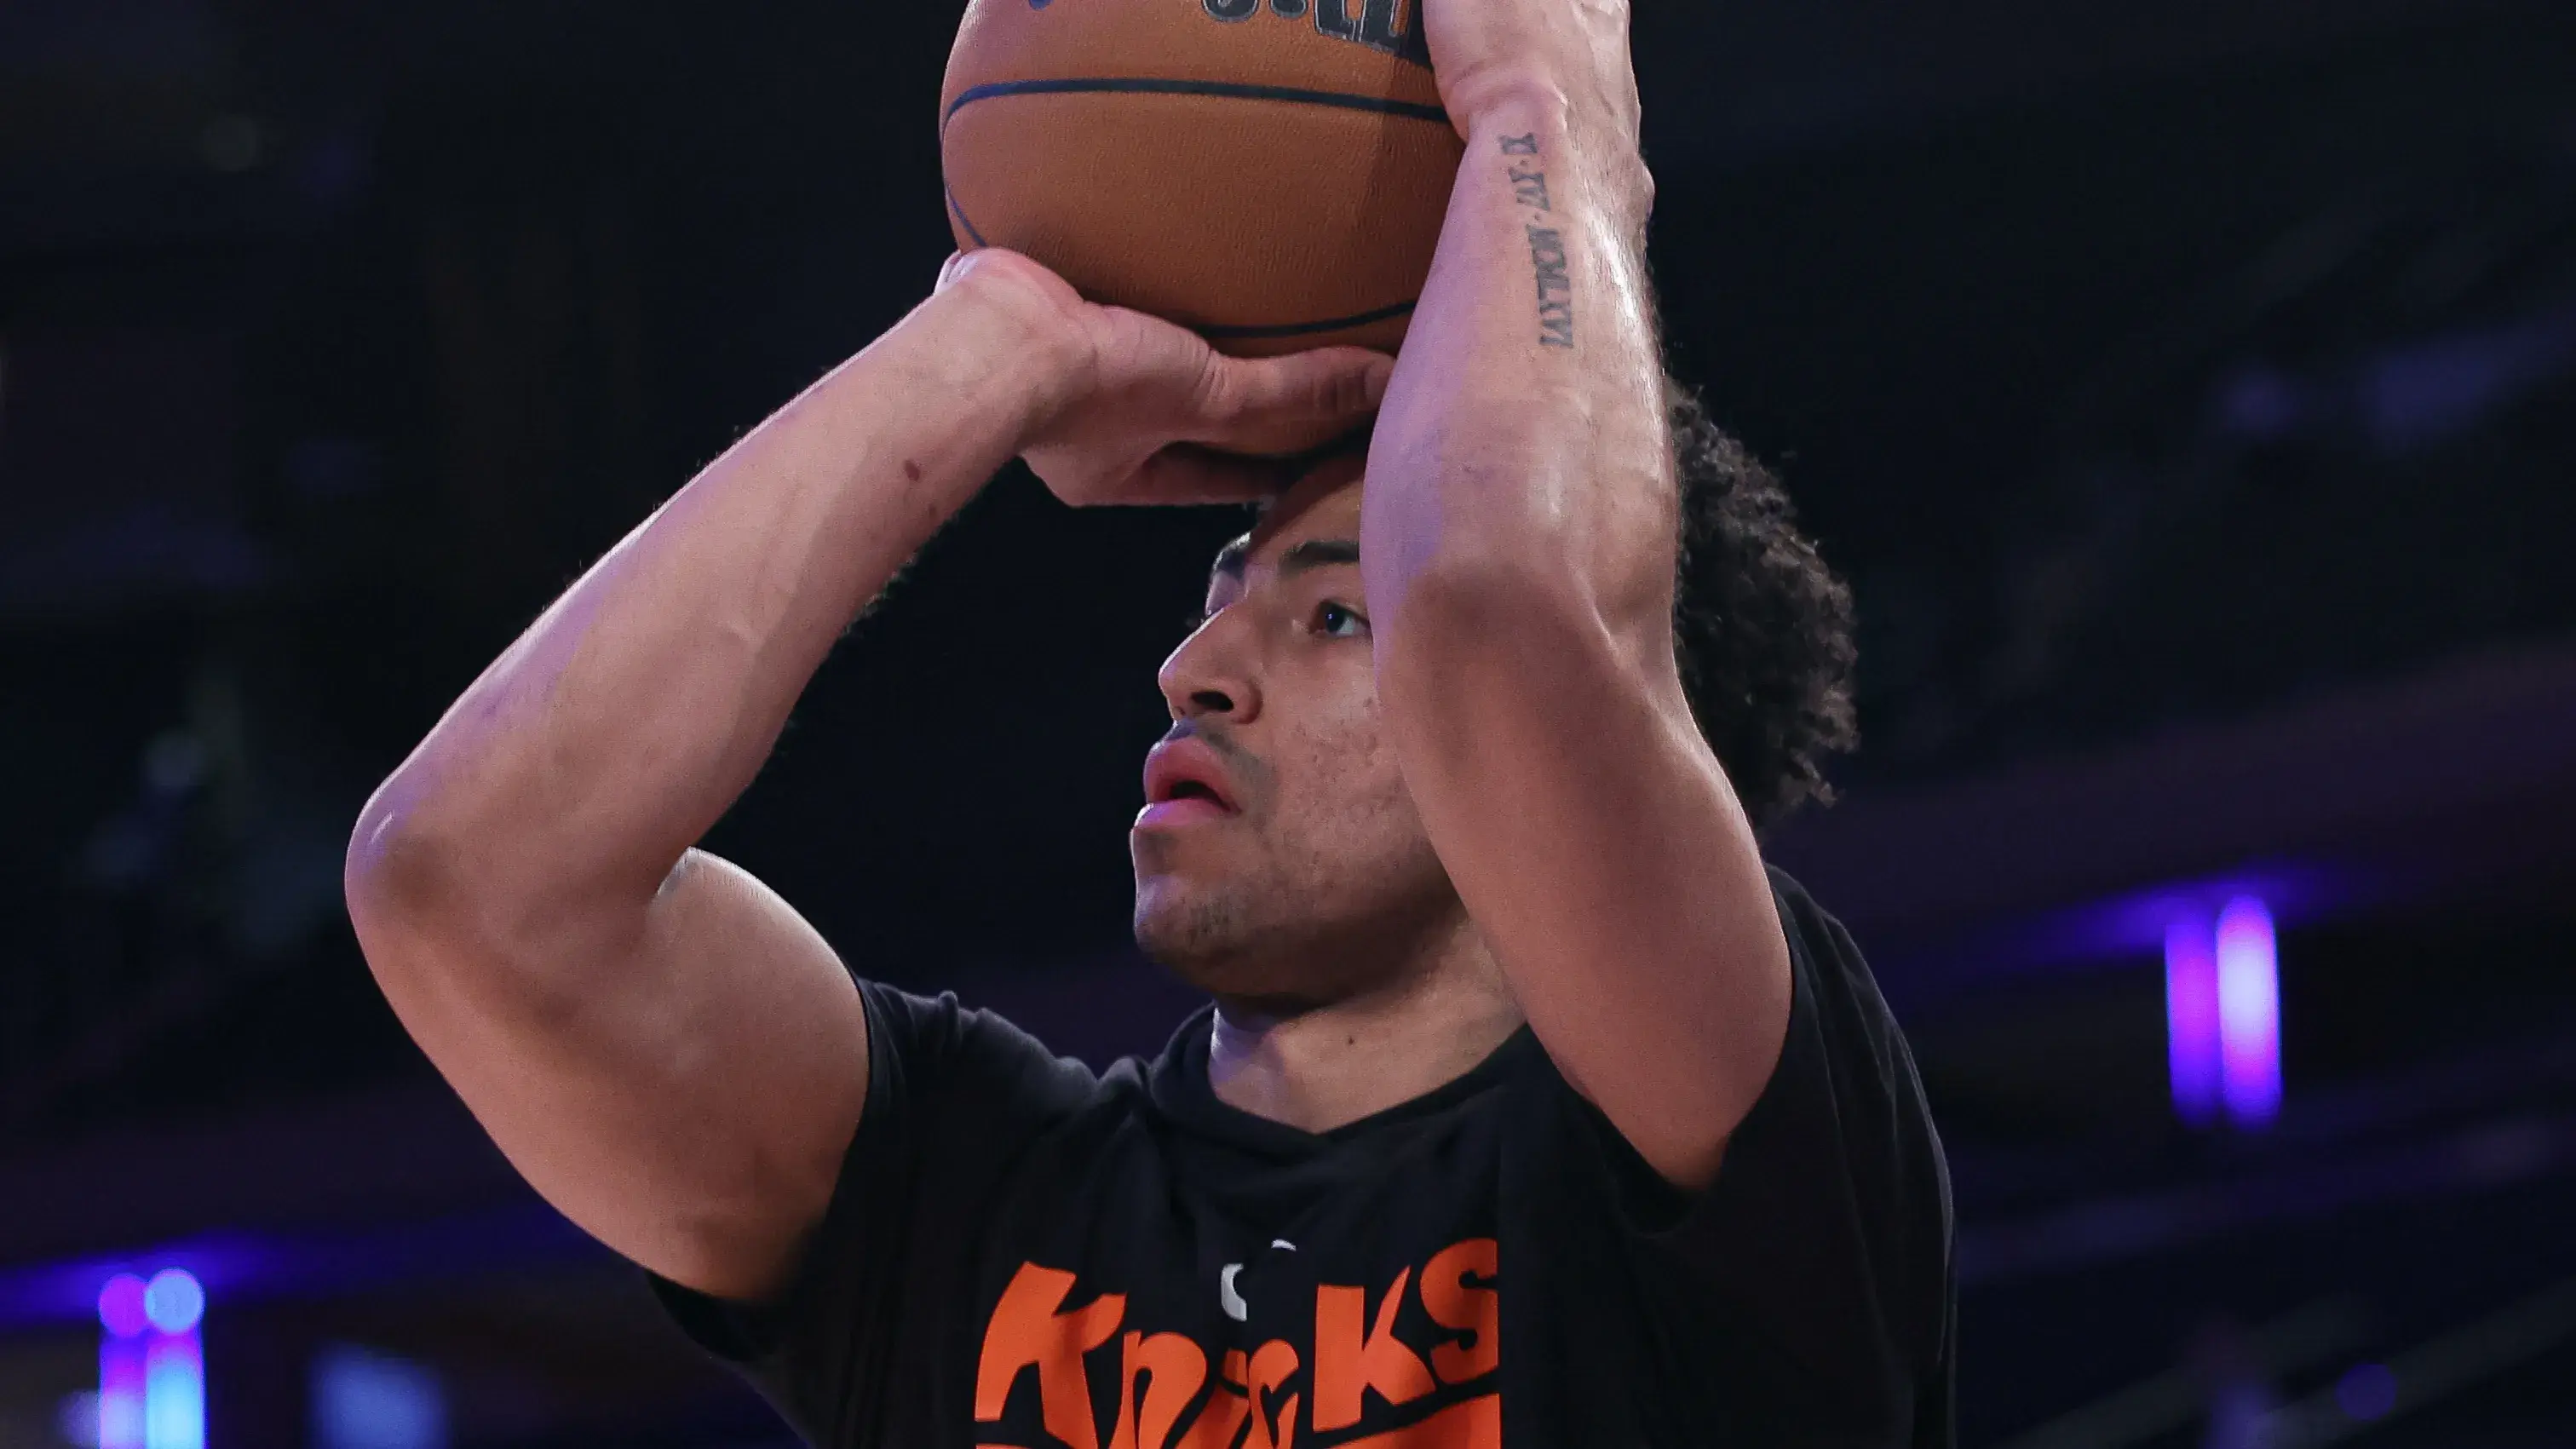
(1184, 782)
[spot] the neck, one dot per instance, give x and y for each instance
(1333, 1065)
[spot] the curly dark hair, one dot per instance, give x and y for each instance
(1762, 628)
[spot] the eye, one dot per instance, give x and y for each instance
(1339, 621)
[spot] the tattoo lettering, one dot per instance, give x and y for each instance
(1547, 244)
(1529, 187)
(1555, 287)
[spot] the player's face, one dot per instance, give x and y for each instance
(1279, 860)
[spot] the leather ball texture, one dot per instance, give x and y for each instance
(1269, 173)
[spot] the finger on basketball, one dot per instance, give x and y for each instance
(1281, 405)
(1186, 473)
(1181, 475)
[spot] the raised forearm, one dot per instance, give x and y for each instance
(1518, 536)
(588, 758)
(1524, 426)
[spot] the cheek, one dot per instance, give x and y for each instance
(1349, 781)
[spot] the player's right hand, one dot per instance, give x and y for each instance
(1146, 412)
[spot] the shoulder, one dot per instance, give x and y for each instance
(1846, 1057)
(934, 1058)
(1827, 1232)
(1811, 928)
(1838, 1005)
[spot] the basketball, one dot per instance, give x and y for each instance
(1269, 173)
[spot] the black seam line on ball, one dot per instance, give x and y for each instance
(1300, 329)
(1231, 90)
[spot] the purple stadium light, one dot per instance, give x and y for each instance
(2249, 1012)
(120, 1362)
(151, 1363)
(120, 1392)
(2192, 1032)
(121, 1307)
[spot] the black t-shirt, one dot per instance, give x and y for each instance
(1023, 1253)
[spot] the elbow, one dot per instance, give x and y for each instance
(409, 851)
(402, 883)
(420, 890)
(443, 937)
(455, 953)
(386, 866)
(437, 905)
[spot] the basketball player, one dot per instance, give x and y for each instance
(1530, 1109)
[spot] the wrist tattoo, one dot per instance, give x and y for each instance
(1548, 262)
(1555, 288)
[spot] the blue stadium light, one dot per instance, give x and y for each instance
(2249, 1012)
(174, 1392)
(151, 1363)
(174, 1300)
(368, 1400)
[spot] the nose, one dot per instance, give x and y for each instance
(1212, 674)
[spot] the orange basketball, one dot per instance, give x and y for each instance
(1272, 173)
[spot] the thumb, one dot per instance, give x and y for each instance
(1281, 405)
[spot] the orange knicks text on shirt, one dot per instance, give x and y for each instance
(1356, 1383)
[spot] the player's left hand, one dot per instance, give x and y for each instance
(1147, 412)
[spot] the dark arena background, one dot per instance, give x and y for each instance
(2188, 389)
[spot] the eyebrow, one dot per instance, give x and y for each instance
(1314, 553)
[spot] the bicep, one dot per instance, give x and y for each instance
(689, 1101)
(1605, 860)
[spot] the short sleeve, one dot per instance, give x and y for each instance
(952, 1096)
(1827, 1235)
